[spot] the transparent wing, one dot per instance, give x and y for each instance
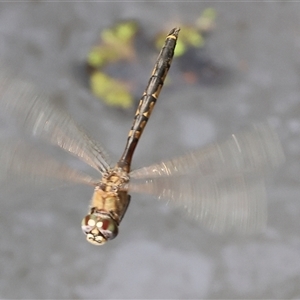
(22, 162)
(221, 185)
(32, 111)
(255, 150)
(222, 204)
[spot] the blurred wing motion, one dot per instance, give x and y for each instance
(21, 162)
(255, 150)
(221, 185)
(33, 113)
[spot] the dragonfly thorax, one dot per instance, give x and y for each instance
(108, 205)
(114, 180)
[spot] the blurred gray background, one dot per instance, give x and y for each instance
(159, 253)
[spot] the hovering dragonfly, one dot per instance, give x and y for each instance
(221, 185)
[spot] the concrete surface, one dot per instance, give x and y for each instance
(159, 253)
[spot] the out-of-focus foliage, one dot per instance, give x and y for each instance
(115, 43)
(113, 92)
(191, 35)
(118, 44)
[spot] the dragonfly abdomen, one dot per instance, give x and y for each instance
(149, 97)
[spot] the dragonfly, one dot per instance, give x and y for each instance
(222, 184)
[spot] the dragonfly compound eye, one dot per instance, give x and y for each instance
(99, 228)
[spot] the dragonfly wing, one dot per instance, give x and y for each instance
(222, 185)
(33, 112)
(257, 149)
(236, 203)
(22, 162)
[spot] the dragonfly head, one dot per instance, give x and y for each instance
(99, 227)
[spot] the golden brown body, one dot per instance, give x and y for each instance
(109, 195)
(110, 199)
